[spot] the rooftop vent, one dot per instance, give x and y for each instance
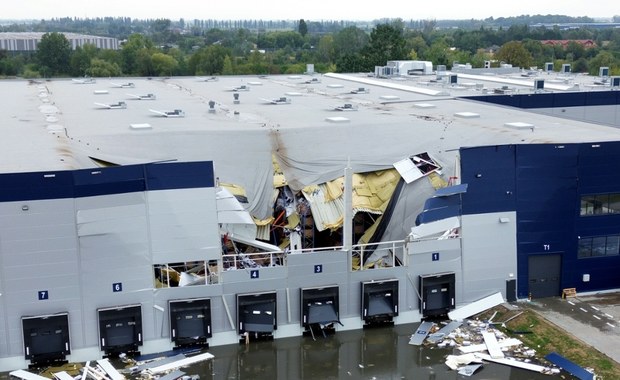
(337, 119)
(389, 97)
(520, 125)
(467, 115)
(424, 105)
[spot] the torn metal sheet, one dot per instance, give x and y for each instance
(482, 347)
(25, 375)
(455, 361)
(95, 372)
(476, 307)
(570, 367)
(492, 346)
(435, 228)
(180, 363)
(110, 370)
(156, 362)
(420, 334)
(469, 370)
(62, 375)
(515, 363)
(444, 331)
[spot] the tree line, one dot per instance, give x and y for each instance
(161, 49)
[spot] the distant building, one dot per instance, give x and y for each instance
(28, 41)
(564, 43)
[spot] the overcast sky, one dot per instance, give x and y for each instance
(308, 10)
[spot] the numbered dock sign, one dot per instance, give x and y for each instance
(117, 287)
(318, 268)
(43, 295)
(254, 273)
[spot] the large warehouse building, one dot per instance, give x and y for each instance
(141, 214)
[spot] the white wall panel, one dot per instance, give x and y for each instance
(183, 225)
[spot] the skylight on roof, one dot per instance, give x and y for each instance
(337, 119)
(467, 115)
(389, 97)
(424, 105)
(140, 126)
(520, 125)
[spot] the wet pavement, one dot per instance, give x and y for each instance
(593, 318)
(374, 354)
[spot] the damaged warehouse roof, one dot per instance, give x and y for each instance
(59, 124)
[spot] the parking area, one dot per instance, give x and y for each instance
(593, 318)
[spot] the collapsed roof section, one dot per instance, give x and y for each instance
(305, 218)
(371, 194)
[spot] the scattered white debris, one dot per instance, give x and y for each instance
(62, 375)
(515, 363)
(25, 375)
(179, 363)
(455, 361)
(476, 307)
(492, 345)
(469, 370)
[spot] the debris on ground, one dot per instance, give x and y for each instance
(477, 341)
(159, 367)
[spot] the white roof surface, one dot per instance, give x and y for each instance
(54, 125)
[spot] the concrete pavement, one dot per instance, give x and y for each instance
(593, 318)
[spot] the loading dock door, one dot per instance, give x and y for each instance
(120, 329)
(379, 300)
(190, 321)
(46, 337)
(320, 305)
(438, 293)
(257, 313)
(544, 275)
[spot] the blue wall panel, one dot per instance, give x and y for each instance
(112, 180)
(102, 181)
(38, 185)
(490, 175)
(187, 175)
(547, 182)
(553, 100)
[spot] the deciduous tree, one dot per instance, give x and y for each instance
(53, 54)
(514, 53)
